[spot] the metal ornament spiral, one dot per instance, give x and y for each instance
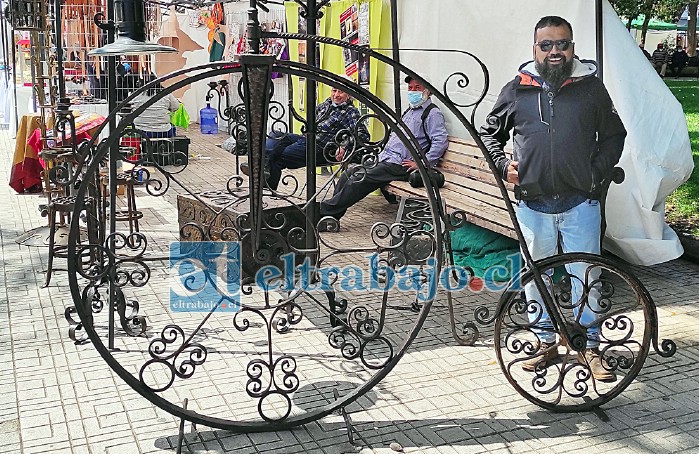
(627, 322)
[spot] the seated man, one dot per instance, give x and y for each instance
(288, 151)
(678, 61)
(154, 122)
(659, 59)
(395, 161)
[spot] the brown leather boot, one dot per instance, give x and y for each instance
(547, 352)
(590, 356)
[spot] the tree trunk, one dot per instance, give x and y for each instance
(644, 30)
(692, 29)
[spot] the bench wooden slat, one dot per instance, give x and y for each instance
(470, 187)
(456, 173)
(461, 146)
(465, 161)
(461, 191)
(478, 212)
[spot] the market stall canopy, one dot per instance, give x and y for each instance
(657, 155)
(653, 24)
(684, 20)
(682, 24)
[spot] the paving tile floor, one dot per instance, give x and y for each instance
(58, 397)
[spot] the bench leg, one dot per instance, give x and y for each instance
(469, 332)
(52, 242)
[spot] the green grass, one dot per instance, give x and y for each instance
(682, 208)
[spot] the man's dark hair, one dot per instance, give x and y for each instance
(152, 91)
(552, 21)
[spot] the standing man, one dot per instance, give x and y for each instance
(567, 139)
(426, 122)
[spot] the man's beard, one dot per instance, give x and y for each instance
(555, 75)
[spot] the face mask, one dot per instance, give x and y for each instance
(414, 98)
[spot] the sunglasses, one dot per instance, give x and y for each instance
(546, 45)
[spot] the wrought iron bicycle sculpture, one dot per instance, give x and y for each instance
(265, 381)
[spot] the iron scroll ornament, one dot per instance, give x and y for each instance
(627, 321)
(189, 358)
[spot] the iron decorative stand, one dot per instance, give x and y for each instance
(366, 336)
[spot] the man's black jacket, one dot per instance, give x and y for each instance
(566, 141)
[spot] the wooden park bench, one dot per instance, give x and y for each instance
(472, 188)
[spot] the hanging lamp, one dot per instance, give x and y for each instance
(131, 32)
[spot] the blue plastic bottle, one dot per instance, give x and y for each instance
(208, 120)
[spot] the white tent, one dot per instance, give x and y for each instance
(657, 155)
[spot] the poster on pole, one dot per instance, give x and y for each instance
(363, 72)
(349, 32)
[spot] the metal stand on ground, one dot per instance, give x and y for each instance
(180, 436)
(348, 421)
(342, 411)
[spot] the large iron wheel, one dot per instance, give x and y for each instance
(284, 358)
(627, 321)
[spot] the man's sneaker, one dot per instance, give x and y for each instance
(590, 356)
(547, 352)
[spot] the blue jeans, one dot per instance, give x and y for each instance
(161, 135)
(286, 151)
(576, 230)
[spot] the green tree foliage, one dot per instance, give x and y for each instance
(666, 10)
(629, 9)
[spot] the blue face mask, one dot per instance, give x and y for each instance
(415, 98)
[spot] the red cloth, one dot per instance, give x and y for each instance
(34, 141)
(25, 175)
(26, 165)
(26, 170)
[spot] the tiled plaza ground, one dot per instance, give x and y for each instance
(56, 396)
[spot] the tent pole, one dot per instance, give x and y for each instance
(599, 39)
(58, 19)
(396, 54)
(14, 77)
